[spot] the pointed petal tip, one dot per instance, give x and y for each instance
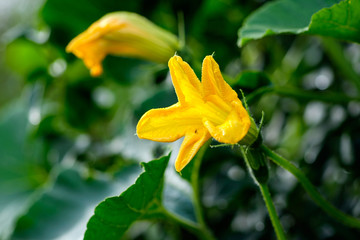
(68, 48)
(209, 57)
(72, 45)
(179, 167)
(96, 70)
(190, 146)
(210, 63)
(175, 58)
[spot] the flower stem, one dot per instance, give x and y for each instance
(193, 227)
(196, 193)
(311, 190)
(279, 231)
(197, 229)
(272, 211)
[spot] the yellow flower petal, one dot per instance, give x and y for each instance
(168, 124)
(207, 109)
(213, 83)
(234, 128)
(187, 85)
(90, 45)
(190, 146)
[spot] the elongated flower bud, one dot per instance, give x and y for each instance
(123, 34)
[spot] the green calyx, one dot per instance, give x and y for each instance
(253, 135)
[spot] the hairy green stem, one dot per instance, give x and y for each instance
(196, 192)
(272, 212)
(275, 221)
(336, 55)
(193, 227)
(303, 95)
(197, 229)
(311, 190)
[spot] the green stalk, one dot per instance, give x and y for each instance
(193, 227)
(279, 231)
(258, 93)
(197, 229)
(196, 193)
(311, 190)
(303, 95)
(336, 55)
(272, 212)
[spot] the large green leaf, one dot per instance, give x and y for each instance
(285, 16)
(140, 201)
(21, 170)
(341, 21)
(73, 198)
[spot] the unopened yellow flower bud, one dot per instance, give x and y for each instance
(123, 34)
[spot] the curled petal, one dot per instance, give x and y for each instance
(92, 55)
(168, 124)
(91, 45)
(190, 146)
(187, 85)
(234, 128)
(213, 83)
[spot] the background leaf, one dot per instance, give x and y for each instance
(140, 201)
(340, 21)
(18, 53)
(72, 197)
(22, 171)
(283, 16)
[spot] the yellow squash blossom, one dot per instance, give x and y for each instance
(123, 34)
(209, 108)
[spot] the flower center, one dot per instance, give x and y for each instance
(215, 109)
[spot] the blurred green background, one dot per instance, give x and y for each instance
(67, 140)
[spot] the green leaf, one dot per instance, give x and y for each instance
(283, 16)
(21, 170)
(341, 21)
(25, 57)
(72, 198)
(140, 201)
